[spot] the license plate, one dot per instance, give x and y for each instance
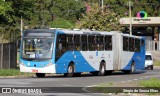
(34, 70)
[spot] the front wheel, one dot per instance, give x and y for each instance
(70, 71)
(40, 75)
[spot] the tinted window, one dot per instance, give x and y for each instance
(61, 40)
(131, 44)
(142, 42)
(92, 42)
(84, 42)
(100, 43)
(125, 44)
(77, 42)
(108, 42)
(137, 45)
(69, 41)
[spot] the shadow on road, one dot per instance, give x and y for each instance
(116, 73)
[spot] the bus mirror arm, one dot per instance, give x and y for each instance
(60, 47)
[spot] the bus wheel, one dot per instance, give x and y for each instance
(40, 74)
(102, 69)
(77, 74)
(132, 68)
(129, 71)
(70, 71)
(109, 72)
(95, 73)
(151, 67)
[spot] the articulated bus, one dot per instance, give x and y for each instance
(71, 52)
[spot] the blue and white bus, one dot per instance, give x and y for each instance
(72, 52)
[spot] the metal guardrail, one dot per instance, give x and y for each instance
(8, 56)
(152, 45)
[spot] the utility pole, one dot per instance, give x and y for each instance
(21, 26)
(2, 47)
(130, 16)
(102, 5)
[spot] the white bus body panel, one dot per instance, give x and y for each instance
(94, 58)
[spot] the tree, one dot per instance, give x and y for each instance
(44, 12)
(11, 12)
(5, 8)
(152, 7)
(98, 20)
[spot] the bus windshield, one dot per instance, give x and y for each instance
(37, 48)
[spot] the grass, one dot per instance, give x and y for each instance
(153, 82)
(12, 72)
(156, 63)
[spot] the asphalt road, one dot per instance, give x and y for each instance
(75, 83)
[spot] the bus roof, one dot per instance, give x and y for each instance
(85, 32)
(67, 31)
(96, 33)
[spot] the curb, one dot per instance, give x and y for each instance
(14, 76)
(156, 67)
(24, 76)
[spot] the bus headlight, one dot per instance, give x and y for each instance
(21, 63)
(49, 64)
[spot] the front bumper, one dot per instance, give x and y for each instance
(49, 69)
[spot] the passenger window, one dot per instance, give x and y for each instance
(108, 42)
(69, 41)
(131, 44)
(100, 43)
(125, 44)
(142, 42)
(77, 42)
(84, 42)
(137, 45)
(92, 42)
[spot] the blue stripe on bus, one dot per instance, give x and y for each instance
(36, 64)
(80, 64)
(137, 61)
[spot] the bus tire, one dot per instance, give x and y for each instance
(70, 71)
(131, 69)
(102, 69)
(109, 72)
(95, 73)
(40, 75)
(151, 67)
(77, 74)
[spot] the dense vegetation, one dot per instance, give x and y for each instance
(69, 13)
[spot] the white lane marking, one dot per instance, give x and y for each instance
(129, 80)
(135, 79)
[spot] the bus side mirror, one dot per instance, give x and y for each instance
(60, 46)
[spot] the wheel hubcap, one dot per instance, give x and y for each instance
(132, 68)
(70, 69)
(102, 69)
